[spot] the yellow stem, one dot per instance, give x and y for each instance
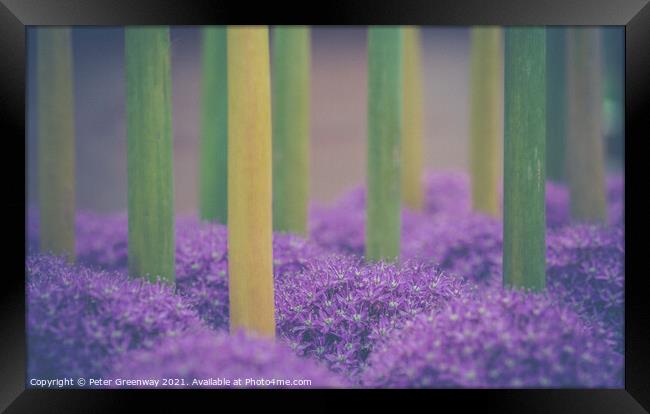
(412, 144)
(585, 152)
(56, 138)
(486, 115)
(250, 254)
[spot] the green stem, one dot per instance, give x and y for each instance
(585, 153)
(149, 153)
(384, 130)
(213, 193)
(291, 110)
(614, 65)
(524, 163)
(486, 87)
(556, 109)
(56, 141)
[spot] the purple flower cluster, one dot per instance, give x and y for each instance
(616, 199)
(205, 359)
(339, 294)
(590, 277)
(413, 323)
(498, 339)
(341, 227)
(101, 239)
(557, 205)
(202, 266)
(201, 256)
(558, 202)
(79, 320)
(338, 307)
(585, 268)
(584, 263)
(469, 245)
(202, 270)
(447, 192)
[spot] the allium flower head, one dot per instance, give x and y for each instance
(338, 307)
(207, 356)
(201, 256)
(584, 264)
(101, 239)
(202, 270)
(341, 227)
(557, 205)
(586, 269)
(447, 192)
(616, 199)
(469, 245)
(497, 339)
(79, 320)
(202, 266)
(558, 202)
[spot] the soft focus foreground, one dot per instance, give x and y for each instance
(436, 318)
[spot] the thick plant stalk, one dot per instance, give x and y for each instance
(213, 192)
(56, 141)
(291, 112)
(524, 164)
(556, 108)
(614, 77)
(585, 160)
(385, 94)
(149, 153)
(250, 254)
(486, 87)
(412, 127)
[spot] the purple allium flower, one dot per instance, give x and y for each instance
(305, 274)
(470, 245)
(338, 307)
(616, 199)
(202, 270)
(79, 319)
(586, 269)
(498, 339)
(447, 192)
(202, 266)
(201, 256)
(557, 205)
(101, 239)
(341, 227)
(558, 202)
(202, 357)
(584, 263)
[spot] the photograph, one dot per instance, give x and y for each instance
(356, 207)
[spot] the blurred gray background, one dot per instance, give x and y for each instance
(338, 127)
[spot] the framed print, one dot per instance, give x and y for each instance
(229, 199)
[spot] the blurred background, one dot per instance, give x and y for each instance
(338, 124)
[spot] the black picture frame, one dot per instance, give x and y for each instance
(15, 15)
